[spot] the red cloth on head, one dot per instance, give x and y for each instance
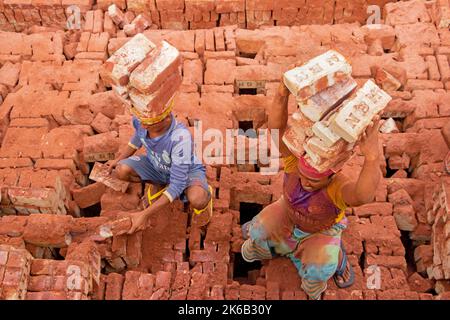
(308, 171)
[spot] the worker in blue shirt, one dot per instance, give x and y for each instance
(170, 165)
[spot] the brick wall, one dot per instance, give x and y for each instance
(17, 15)
(57, 115)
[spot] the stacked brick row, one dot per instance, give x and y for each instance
(18, 15)
(219, 65)
(438, 219)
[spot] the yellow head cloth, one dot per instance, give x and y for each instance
(158, 118)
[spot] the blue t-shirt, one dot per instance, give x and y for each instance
(171, 154)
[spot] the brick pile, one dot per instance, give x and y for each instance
(147, 78)
(133, 16)
(322, 130)
(89, 15)
(58, 117)
(437, 216)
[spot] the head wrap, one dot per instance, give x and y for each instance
(153, 120)
(310, 172)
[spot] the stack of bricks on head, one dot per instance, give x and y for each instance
(64, 225)
(329, 120)
(145, 75)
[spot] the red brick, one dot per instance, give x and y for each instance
(119, 245)
(117, 69)
(169, 4)
(107, 103)
(395, 294)
(227, 6)
(419, 284)
(220, 72)
(99, 290)
(131, 289)
(219, 39)
(9, 74)
(209, 40)
(15, 162)
(414, 84)
(134, 249)
(116, 15)
(62, 143)
(400, 197)
(386, 261)
(259, 5)
(398, 162)
(200, 5)
(88, 196)
(78, 114)
(46, 295)
(199, 286)
(12, 226)
(3, 259)
(30, 122)
(100, 147)
(152, 105)
(98, 21)
(193, 72)
(444, 67)
(139, 77)
(116, 227)
(99, 173)
(162, 280)
(199, 43)
(47, 283)
(22, 142)
(56, 164)
(101, 123)
(220, 55)
(88, 253)
(114, 285)
(34, 197)
(48, 230)
(98, 42)
(109, 26)
(433, 70)
(378, 208)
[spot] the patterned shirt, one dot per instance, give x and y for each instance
(171, 154)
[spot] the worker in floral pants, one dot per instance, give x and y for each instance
(307, 222)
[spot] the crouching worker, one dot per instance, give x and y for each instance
(307, 222)
(169, 165)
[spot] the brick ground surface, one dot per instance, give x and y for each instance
(57, 117)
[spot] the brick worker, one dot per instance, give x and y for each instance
(307, 222)
(169, 165)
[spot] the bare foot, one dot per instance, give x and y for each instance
(154, 189)
(347, 274)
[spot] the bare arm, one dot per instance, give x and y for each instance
(140, 219)
(363, 190)
(278, 116)
(124, 153)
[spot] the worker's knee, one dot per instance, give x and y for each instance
(320, 273)
(256, 230)
(316, 271)
(123, 172)
(198, 197)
